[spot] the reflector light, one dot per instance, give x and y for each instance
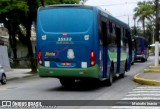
(92, 58)
(64, 34)
(39, 57)
(66, 63)
(142, 52)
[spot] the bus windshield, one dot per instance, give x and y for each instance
(60, 20)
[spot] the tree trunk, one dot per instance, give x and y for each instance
(30, 49)
(12, 40)
(42, 2)
(157, 21)
(143, 24)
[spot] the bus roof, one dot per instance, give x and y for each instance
(109, 16)
(139, 37)
(65, 5)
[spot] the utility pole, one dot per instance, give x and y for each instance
(157, 20)
(128, 20)
(157, 33)
(135, 27)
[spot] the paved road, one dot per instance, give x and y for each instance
(148, 93)
(35, 88)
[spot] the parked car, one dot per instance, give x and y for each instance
(3, 79)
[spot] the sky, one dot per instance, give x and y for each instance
(121, 9)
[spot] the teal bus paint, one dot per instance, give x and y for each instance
(80, 42)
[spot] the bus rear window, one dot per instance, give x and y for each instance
(65, 19)
(138, 43)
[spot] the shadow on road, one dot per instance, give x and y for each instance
(92, 85)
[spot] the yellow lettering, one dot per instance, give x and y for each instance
(50, 54)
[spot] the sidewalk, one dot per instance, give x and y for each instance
(150, 76)
(18, 73)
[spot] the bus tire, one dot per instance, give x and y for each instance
(143, 60)
(109, 81)
(122, 75)
(132, 63)
(3, 79)
(67, 82)
(146, 59)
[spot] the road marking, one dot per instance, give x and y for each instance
(150, 94)
(150, 87)
(141, 98)
(142, 93)
(135, 107)
(3, 89)
(146, 89)
(7, 88)
(139, 92)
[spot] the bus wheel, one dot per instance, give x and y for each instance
(124, 70)
(67, 81)
(3, 79)
(132, 63)
(146, 59)
(143, 60)
(110, 79)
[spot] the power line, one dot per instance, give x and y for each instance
(124, 15)
(120, 4)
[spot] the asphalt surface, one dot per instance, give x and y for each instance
(32, 87)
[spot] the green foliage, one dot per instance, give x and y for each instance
(18, 15)
(70, 1)
(13, 5)
(52, 2)
(144, 11)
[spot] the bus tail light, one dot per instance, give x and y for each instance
(92, 58)
(142, 52)
(40, 57)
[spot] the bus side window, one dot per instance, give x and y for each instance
(110, 27)
(104, 32)
(118, 36)
(126, 36)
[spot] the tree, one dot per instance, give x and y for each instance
(22, 13)
(51, 2)
(157, 9)
(30, 17)
(9, 15)
(143, 11)
(150, 31)
(136, 29)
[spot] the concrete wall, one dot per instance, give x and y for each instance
(4, 60)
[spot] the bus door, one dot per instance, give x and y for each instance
(118, 37)
(103, 49)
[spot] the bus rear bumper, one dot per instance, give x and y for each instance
(91, 72)
(140, 57)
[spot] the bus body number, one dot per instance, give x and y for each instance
(65, 39)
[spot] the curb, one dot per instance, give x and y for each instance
(27, 76)
(152, 70)
(144, 81)
(154, 67)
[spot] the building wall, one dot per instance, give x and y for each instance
(4, 60)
